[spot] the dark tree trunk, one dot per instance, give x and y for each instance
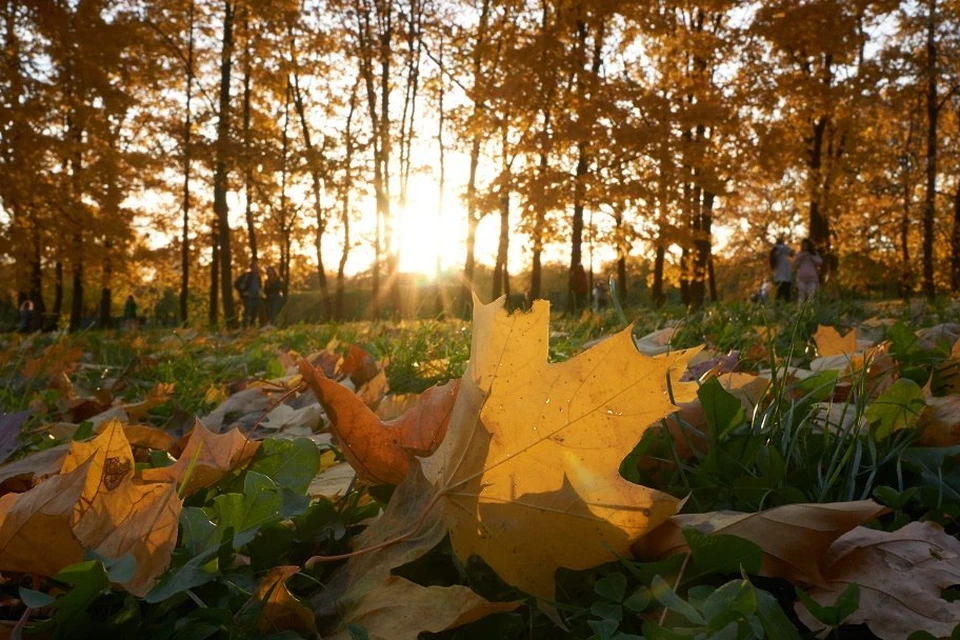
(313, 163)
(57, 289)
(214, 273)
(819, 224)
(36, 281)
(187, 131)
(955, 243)
(76, 285)
(106, 295)
(930, 197)
(220, 172)
(473, 220)
(501, 279)
(247, 143)
(657, 295)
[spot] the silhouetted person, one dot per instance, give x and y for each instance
(780, 256)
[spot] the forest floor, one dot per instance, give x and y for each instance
(746, 471)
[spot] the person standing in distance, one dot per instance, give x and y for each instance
(780, 255)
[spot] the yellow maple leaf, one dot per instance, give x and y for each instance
(111, 460)
(534, 449)
(830, 343)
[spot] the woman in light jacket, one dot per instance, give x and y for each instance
(806, 265)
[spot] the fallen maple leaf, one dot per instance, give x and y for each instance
(35, 526)
(281, 611)
(37, 465)
(830, 343)
(794, 537)
(110, 458)
(155, 397)
(532, 449)
(378, 449)
(407, 609)
(902, 575)
(212, 456)
(136, 520)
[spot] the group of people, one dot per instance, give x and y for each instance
(253, 288)
(785, 263)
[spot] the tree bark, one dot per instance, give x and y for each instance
(214, 273)
(57, 289)
(930, 196)
(220, 176)
(313, 163)
(247, 142)
(187, 157)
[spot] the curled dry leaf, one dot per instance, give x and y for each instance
(794, 537)
(281, 611)
(902, 575)
(22, 472)
(406, 609)
(216, 455)
(532, 447)
(377, 449)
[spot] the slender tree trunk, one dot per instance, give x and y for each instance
(955, 243)
(247, 142)
(438, 306)
(657, 295)
(906, 262)
(501, 279)
(314, 163)
(187, 157)
(214, 273)
(76, 285)
(57, 289)
(473, 221)
(345, 199)
(106, 294)
(930, 197)
(36, 280)
(621, 254)
(220, 176)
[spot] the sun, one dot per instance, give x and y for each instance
(429, 240)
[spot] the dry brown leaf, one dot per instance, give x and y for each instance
(147, 437)
(404, 609)
(216, 455)
(901, 574)
(358, 365)
(281, 611)
(830, 343)
(533, 447)
(36, 465)
(59, 357)
(333, 481)
(376, 449)
(155, 397)
(35, 527)
(794, 537)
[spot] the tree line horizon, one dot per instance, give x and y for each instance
(662, 119)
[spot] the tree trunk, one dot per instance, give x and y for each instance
(36, 281)
(214, 273)
(220, 172)
(501, 279)
(955, 242)
(657, 295)
(313, 163)
(57, 289)
(930, 197)
(345, 209)
(76, 285)
(187, 157)
(247, 143)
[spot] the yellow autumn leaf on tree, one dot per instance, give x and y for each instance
(532, 448)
